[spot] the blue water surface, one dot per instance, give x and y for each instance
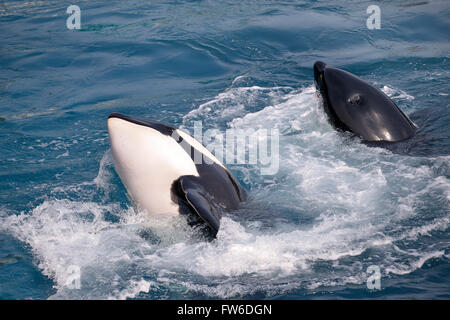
(335, 206)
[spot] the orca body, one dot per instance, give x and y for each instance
(166, 171)
(354, 105)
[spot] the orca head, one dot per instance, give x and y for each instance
(158, 166)
(354, 105)
(148, 160)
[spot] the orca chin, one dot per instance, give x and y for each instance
(354, 105)
(166, 171)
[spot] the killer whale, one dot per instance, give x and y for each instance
(166, 171)
(354, 105)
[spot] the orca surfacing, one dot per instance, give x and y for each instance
(354, 105)
(156, 165)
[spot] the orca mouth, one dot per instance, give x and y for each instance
(125, 117)
(164, 129)
(319, 80)
(319, 66)
(319, 75)
(117, 115)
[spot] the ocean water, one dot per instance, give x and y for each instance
(334, 208)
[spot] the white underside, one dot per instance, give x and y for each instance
(148, 162)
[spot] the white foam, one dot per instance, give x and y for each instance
(396, 93)
(104, 175)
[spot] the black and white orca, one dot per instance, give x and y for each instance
(166, 171)
(354, 105)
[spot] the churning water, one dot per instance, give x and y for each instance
(335, 206)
